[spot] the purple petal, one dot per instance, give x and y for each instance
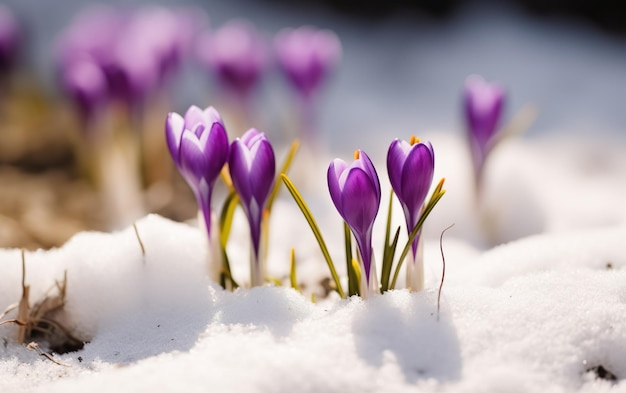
(193, 117)
(396, 156)
(10, 37)
(262, 171)
(483, 107)
(174, 125)
(366, 164)
(236, 53)
(336, 168)
(216, 149)
(213, 116)
(306, 55)
(249, 136)
(86, 83)
(239, 164)
(193, 161)
(252, 169)
(359, 201)
(417, 176)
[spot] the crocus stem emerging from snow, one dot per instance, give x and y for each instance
(252, 169)
(355, 191)
(199, 147)
(411, 167)
(434, 199)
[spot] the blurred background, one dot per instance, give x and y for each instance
(402, 68)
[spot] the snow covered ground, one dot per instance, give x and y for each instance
(543, 313)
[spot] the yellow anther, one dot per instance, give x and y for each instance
(357, 154)
(414, 140)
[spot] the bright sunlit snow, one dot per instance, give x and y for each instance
(538, 314)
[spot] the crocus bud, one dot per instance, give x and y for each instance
(483, 103)
(9, 38)
(252, 169)
(199, 146)
(236, 54)
(411, 166)
(306, 55)
(355, 191)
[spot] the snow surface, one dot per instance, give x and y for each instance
(531, 315)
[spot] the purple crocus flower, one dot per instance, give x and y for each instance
(483, 103)
(236, 54)
(306, 55)
(165, 35)
(252, 169)
(355, 191)
(9, 38)
(199, 146)
(411, 166)
(133, 71)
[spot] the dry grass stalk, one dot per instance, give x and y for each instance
(40, 322)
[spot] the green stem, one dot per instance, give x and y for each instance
(386, 269)
(431, 204)
(353, 283)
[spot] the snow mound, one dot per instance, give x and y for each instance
(531, 316)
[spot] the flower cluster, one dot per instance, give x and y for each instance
(238, 55)
(199, 146)
(106, 53)
(355, 191)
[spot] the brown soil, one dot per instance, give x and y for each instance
(43, 199)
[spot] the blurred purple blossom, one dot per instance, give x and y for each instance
(85, 82)
(306, 55)
(236, 53)
(199, 147)
(10, 35)
(138, 51)
(252, 169)
(483, 104)
(411, 166)
(355, 191)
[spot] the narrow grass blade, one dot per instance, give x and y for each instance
(316, 231)
(283, 170)
(227, 274)
(357, 273)
(292, 271)
(225, 175)
(226, 216)
(386, 263)
(386, 272)
(353, 283)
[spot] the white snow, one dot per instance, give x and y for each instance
(531, 315)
